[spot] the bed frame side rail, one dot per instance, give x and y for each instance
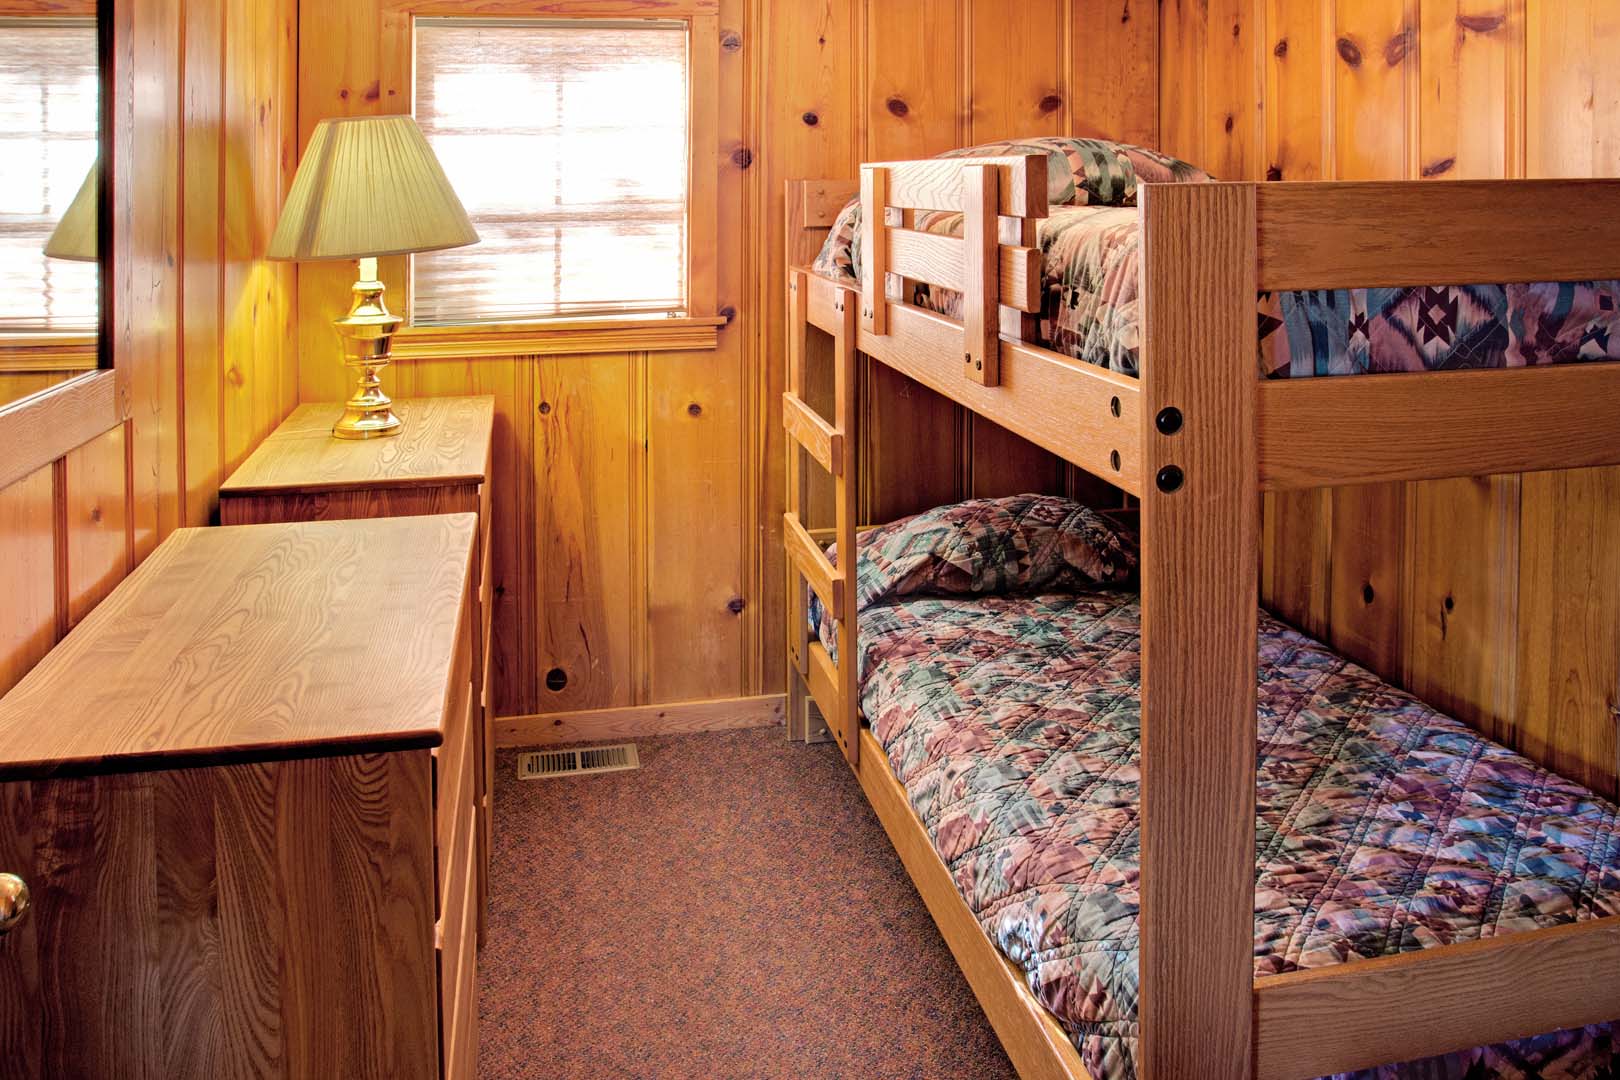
(1397, 234)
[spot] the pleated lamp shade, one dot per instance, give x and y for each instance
(369, 185)
(75, 235)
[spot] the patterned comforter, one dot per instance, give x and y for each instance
(1000, 669)
(1091, 308)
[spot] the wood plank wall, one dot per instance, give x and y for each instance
(1496, 599)
(203, 325)
(639, 494)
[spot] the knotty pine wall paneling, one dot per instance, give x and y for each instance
(203, 154)
(1493, 598)
(638, 495)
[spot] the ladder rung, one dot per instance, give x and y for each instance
(810, 561)
(811, 431)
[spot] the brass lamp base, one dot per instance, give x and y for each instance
(367, 332)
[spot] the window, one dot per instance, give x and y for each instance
(49, 112)
(567, 141)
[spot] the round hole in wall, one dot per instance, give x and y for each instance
(1113, 459)
(556, 679)
(1113, 405)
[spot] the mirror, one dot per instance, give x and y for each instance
(50, 192)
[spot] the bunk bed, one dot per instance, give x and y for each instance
(1195, 436)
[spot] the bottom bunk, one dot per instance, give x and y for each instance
(999, 670)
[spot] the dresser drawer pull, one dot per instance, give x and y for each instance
(13, 902)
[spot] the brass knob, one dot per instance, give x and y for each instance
(13, 901)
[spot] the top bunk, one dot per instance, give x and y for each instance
(950, 289)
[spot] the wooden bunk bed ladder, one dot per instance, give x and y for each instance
(828, 444)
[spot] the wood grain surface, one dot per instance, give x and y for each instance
(1200, 520)
(269, 919)
(445, 439)
(262, 641)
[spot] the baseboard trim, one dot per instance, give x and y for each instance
(636, 721)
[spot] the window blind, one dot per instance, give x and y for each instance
(566, 141)
(49, 111)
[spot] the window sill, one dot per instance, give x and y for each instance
(47, 352)
(571, 336)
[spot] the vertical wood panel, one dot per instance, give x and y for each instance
(1114, 70)
(27, 574)
(1016, 85)
(93, 515)
(586, 466)
(695, 595)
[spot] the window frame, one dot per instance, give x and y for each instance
(653, 332)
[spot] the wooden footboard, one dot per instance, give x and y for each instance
(1197, 437)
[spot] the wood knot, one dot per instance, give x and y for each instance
(897, 105)
(730, 40)
(1274, 172)
(1367, 594)
(556, 679)
(1481, 24)
(694, 409)
(1051, 103)
(545, 408)
(95, 514)
(372, 92)
(1230, 122)
(742, 157)
(1349, 51)
(810, 119)
(1280, 50)
(1438, 168)
(729, 313)
(1398, 48)
(736, 604)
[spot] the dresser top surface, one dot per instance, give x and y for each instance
(444, 440)
(254, 642)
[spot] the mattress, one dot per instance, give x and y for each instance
(1008, 709)
(1091, 308)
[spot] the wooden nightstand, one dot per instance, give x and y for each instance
(439, 464)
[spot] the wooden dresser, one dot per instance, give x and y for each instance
(237, 795)
(438, 464)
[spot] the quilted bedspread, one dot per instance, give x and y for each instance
(1012, 720)
(1091, 308)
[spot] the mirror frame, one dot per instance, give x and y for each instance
(38, 429)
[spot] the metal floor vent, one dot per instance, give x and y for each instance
(545, 764)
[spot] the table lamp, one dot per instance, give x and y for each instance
(368, 186)
(75, 235)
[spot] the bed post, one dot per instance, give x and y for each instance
(1200, 509)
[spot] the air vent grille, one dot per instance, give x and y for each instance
(548, 764)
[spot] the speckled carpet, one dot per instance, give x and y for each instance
(731, 910)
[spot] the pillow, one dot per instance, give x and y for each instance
(1093, 172)
(1020, 543)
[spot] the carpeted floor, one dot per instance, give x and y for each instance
(731, 910)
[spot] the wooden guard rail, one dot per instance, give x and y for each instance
(994, 264)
